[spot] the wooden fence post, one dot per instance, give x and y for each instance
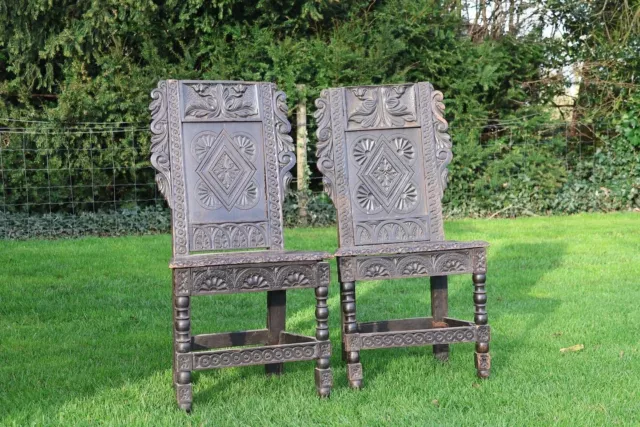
(301, 154)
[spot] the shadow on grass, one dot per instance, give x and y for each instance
(513, 271)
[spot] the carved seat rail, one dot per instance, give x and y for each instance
(413, 332)
(223, 155)
(383, 152)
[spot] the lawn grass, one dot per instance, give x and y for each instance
(85, 336)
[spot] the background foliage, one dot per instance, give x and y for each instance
(76, 74)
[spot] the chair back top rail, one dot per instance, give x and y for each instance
(383, 152)
(223, 153)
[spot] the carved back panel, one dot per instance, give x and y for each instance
(223, 155)
(384, 151)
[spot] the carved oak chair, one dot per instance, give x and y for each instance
(384, 151)
(223, 155)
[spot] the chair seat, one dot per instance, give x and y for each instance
(241, 258)
(409, 248)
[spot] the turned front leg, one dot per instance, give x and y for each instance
(182, 347)
(483, 358)
(349, 326)
(323, 376)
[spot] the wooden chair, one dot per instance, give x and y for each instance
(223, 155)
(384, 151)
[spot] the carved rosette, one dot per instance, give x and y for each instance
(286, 157)
(325, 143)
(160, 158)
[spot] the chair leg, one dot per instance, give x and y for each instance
(349, 326)
(439, 310)
(182, 345)
(323, 376)
(276, 323)
(343, 350)
(483, 358)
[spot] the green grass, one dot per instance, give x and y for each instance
(85, 336)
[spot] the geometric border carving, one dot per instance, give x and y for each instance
(258, 355)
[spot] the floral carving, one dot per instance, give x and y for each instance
(273, 172)
(416, 264)
(414, 268)
(404, 148)
(228, 236)
(286, 158)
(376, 270)
(182, 280)
(254, 281)
(224, 171)
(324, 151)
(295, 278)
(203, 143)
(480, 264)
(443, 140)
(206, 197)
(382, 107)
(160, 140)
(453, 265)
(391, 231)
(249, 196)
(213, 284)
(367, 200)
(363, 149)
(245, 145)
(386, 176)
(212, 101)
(408, 199)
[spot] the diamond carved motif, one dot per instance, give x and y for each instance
(225, 171)
(385, 174)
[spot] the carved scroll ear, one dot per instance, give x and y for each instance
(160, 140)
(324, 150)
(286, 157)
(443, 139)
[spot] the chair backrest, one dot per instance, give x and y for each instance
(223, 155)
(384, 151)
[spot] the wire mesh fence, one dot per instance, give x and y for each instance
(96, 178)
